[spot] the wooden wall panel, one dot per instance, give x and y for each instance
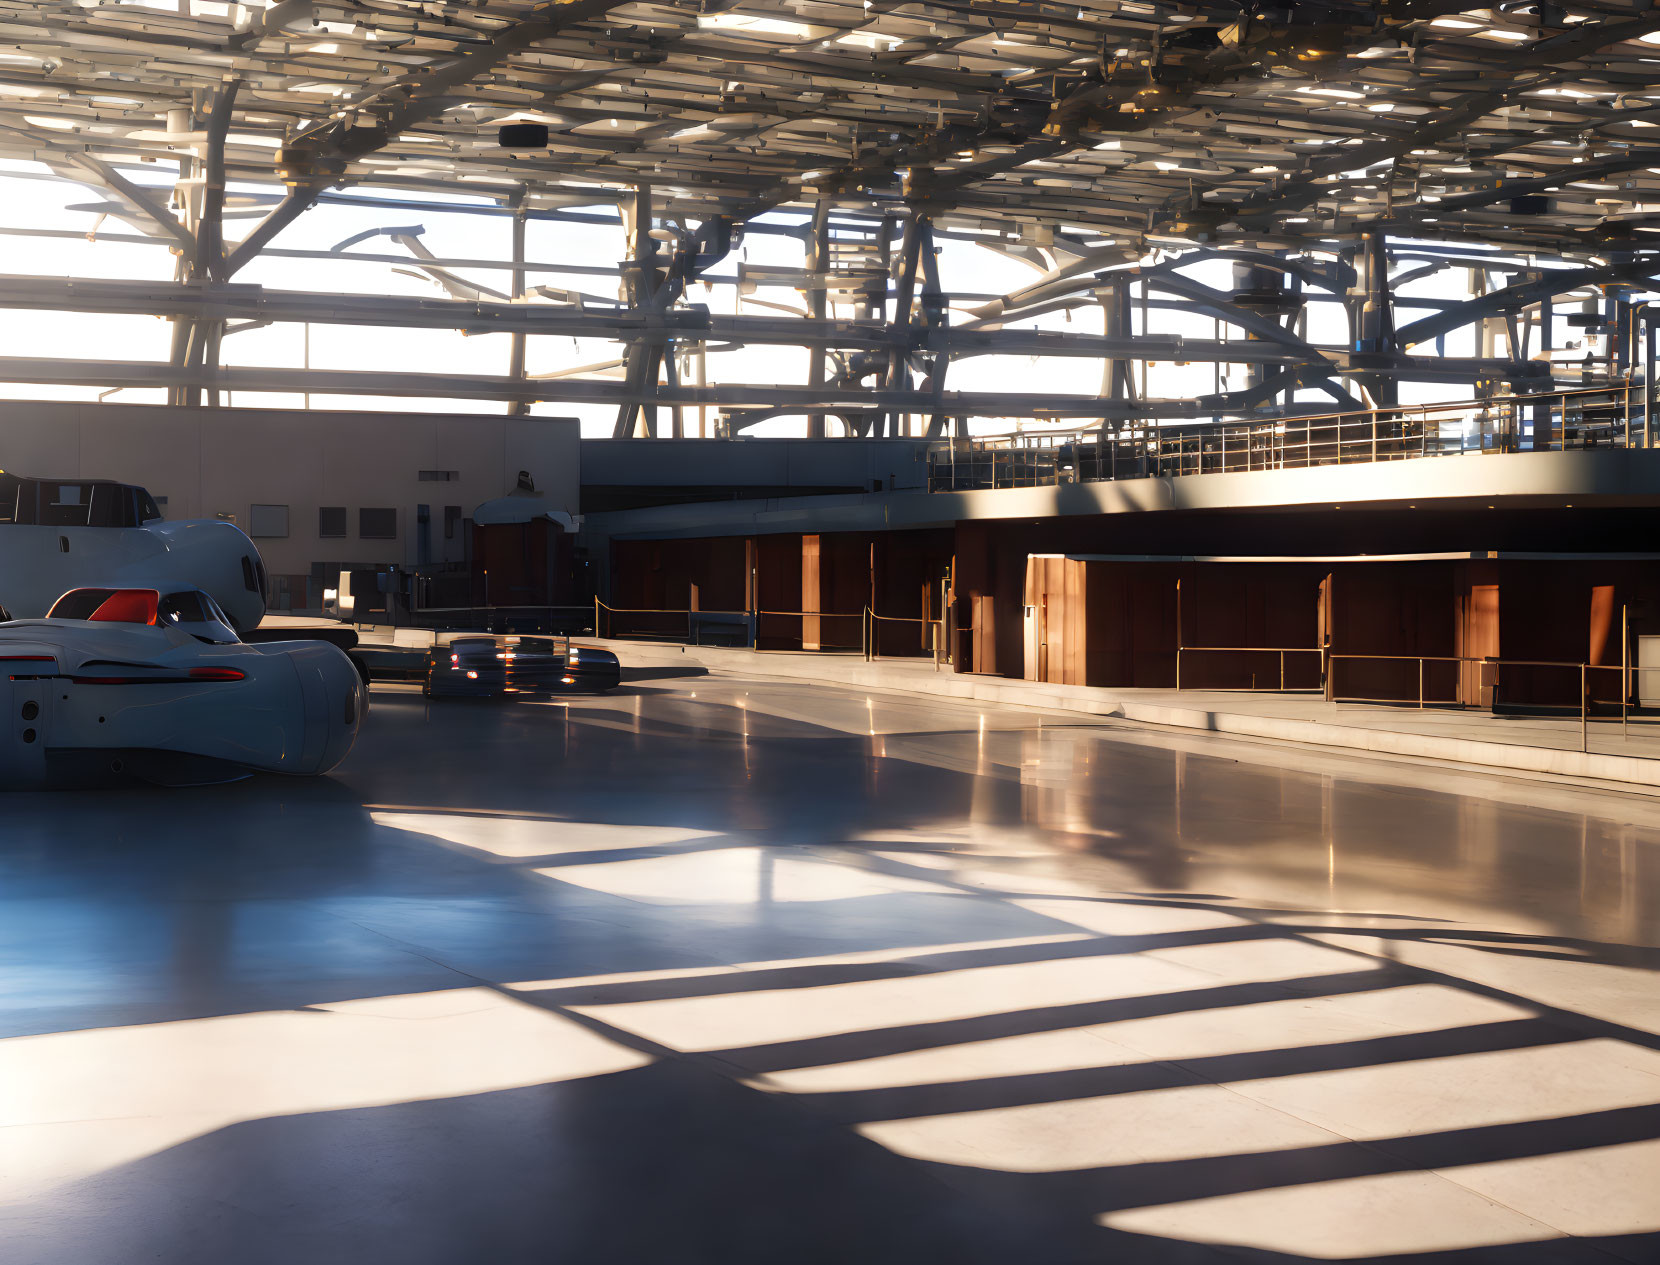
(810, 592)
(778, 588)
(1478, 632)
(1394, 609)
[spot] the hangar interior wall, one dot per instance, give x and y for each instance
(809, 589)
(1242, 624)
(1118, 621)
(221, 462)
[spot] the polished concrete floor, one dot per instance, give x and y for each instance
(713, 970)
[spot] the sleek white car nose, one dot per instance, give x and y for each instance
(220, 558)
(335, 703)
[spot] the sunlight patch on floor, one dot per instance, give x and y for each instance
(518, 837)
(1603, 1190)
(1118, 917)
(1466, 1091)
(1155, 1126)
(735, 876)
(904, 953)
(1030, 1054)
(1296, 1022)
(76, 1103)
(871, 1006)
(1616, 993)
(1389, 1215)
(1287, 1024)
(1258, 958)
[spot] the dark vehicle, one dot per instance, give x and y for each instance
(484, 667)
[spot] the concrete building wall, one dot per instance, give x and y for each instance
(222, 462)
(1440, 493)
(621, 473)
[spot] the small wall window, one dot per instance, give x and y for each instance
(452, 520)
(439, 476)
(331, 520)
(377, 524)
(268, 521)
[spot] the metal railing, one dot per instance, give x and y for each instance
(605, 624)
(935, 648)
(819, 646)
(756, 628)
(1597, 417)
(1586, 700)
(1281, 651)
(1328, 660)
(545, 619)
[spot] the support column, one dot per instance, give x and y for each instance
(1117, 374)
(189, 268)
(640, 288)
(870, 422)
(671, 375)
(516, 354)
(1374, 316)
(936, 312)
(1259, 289)
(196, 343)
(917, 229)
(818, 264)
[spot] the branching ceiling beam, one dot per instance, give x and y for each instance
(1539, 64)
(1523, 294)
(319, 158)
(210, 238)
(833, 399)
(150, 204)
(247, 302)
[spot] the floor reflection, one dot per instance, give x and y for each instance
(749, 972)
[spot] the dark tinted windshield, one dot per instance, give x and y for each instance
(116, 606)
(184, 608)
(80, 604)
(194, 612)
(215, 611)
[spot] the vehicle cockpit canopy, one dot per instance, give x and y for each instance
(74, 503)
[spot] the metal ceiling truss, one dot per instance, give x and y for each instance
(1108, 144)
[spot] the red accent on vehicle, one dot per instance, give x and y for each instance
(27, 658)
(128, 606)
(196, 674)
(217, 674)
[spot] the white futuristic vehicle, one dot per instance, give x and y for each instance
(57, 534)
(118, 684)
